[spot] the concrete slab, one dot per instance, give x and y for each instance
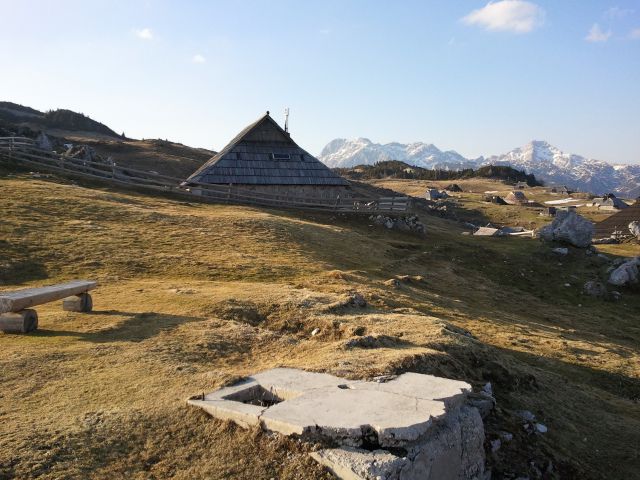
(321, 406)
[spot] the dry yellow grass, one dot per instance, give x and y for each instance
(193, 296)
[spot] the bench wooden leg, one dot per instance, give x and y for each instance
(78, 303)
(24, 321)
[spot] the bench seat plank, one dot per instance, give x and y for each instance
(29, 297)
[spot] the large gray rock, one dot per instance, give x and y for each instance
(634, 228)
(569, 227)
(625, 274)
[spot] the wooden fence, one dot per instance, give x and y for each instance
(25, 152)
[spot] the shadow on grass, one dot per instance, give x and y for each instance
(136, 328)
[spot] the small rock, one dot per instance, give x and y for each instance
(594, 289)
(495, 445)
(487, 388)
(541, 428)
(358, 300)
(526, 415)
(626, 274)
(561, 251)
(315, 332)
(634, 228)
(506, 436)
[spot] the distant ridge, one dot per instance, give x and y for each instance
(60, 119)
(539, 158)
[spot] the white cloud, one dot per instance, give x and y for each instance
(617, 12)
(516, 16)
(596, 34)
(635, 34)
(144, 34)
(197, 58)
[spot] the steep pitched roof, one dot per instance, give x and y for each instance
(264, 154)
(618, 221)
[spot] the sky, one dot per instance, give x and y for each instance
(476, 77)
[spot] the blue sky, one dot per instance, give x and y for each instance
(475, 77)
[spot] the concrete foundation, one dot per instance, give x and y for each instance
(24, 321)
(412, 426)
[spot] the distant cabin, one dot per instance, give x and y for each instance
(562, 190)
(263, 159)
(521, 185)
(609, 202)
(516, 198)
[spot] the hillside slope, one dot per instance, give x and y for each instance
(192, 296)
(64, 127)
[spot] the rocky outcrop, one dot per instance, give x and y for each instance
(569, 227)
(406, 224)
(626, 274)
(634, 228)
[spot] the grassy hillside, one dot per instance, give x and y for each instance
(193, 296)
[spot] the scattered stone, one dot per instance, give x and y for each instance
(392, 282)
(495, 445)
(315, 331)
(482, 402)
(506, 436)
(569, 227)
(626, 273)
(526, 415)
(406, 224)
(541, 428)
(634, 228)
(615, 295)
(561, 251)
(487, 388)
(358, 300)
(594, 288)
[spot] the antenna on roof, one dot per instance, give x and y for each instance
(286, 119)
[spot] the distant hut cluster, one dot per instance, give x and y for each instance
(608, 202)
(617, 225)
(263, 159)
(562, 190)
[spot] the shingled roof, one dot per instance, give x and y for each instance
(264, 154)
(618, 221)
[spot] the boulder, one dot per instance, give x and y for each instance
(594, 288)
(569, 227)
(625, 274)
(634, 228)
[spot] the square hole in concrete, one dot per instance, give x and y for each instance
(256, 395)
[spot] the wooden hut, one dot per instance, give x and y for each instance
(516, 198)
(618, 223)
(264, 160)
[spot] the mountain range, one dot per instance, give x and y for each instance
(545, 161)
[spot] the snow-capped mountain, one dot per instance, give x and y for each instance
(545, 161)
(362, 151)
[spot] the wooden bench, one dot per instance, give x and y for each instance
(17, 317)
